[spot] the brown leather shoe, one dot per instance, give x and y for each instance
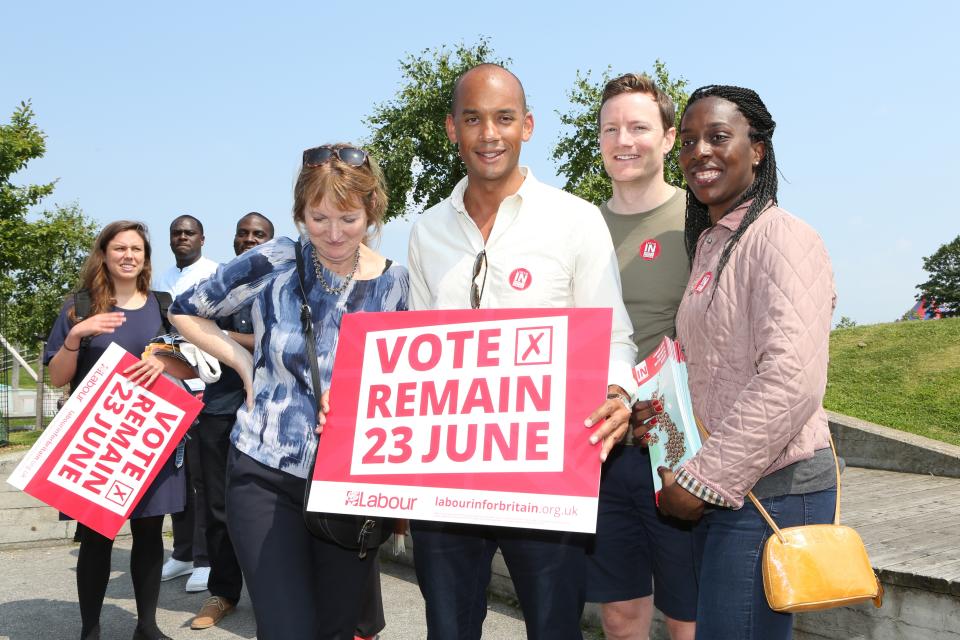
(213, 610)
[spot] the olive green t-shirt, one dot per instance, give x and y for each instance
(653, 267)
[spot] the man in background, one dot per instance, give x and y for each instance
(186, 242)
(221, 401)
(637, 552)
(189, 539)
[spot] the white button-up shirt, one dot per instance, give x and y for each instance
(175, 280)
(547, 248)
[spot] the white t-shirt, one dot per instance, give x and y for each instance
(175, 280)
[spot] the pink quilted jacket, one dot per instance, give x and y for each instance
(757, 356)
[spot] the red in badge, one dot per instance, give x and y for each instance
(520, 279)
(649, 249)
(703, 282)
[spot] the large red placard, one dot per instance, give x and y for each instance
(106, 445)
(466, 416)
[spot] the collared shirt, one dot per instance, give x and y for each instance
(176, 280)
(278, 430)
(546, 249)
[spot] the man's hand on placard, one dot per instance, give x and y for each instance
(323, 411)
(615, 417)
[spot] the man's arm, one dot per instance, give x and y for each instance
(596, 283)
(420, 297)
(245, 340)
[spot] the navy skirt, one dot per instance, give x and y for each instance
(166, 494)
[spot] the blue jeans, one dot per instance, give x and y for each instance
(732, 604)
(548, 569)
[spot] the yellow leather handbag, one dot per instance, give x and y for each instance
(818, 566)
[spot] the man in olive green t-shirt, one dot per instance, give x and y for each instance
(636, 551)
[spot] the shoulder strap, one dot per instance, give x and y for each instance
(164, 299)
(756, 503)
(306, 318)
(81, 311)
(81, 304)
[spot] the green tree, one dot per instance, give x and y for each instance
(408, 137)
(943, 287)
(577, 152)
(39, 260)
(54, 248)
(846, 323)
(20, 142)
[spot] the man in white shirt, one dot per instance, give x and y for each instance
(504, 239)
(186, 242)
(189, 526)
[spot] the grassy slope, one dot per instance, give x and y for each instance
(907, 376)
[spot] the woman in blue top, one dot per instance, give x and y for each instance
(122, 309)
(301, 587)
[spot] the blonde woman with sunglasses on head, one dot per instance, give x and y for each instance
(301, 587)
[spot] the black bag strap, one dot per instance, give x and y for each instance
(376, 530)
(306, 319)
(82, 304)
(164, 299)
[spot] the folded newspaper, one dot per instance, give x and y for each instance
(173, 345)
(662, 376)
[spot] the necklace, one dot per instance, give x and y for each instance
(318, 267)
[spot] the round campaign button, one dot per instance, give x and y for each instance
(649, 249)
(520, 279)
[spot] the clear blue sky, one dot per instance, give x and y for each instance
(152, 110)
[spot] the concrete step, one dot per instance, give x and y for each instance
(28, 515)
(19, 534)
(9, 462)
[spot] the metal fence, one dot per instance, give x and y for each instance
(23, 406)
(6, 367)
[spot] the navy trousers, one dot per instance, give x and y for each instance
(548, 569)
(302, 588)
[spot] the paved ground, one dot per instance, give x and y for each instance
(38, 599)
(909, 522)
(38, 602)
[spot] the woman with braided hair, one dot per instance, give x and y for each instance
(754, 324)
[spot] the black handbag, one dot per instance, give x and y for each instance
(354, 532)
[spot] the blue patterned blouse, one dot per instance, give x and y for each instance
(278, 431)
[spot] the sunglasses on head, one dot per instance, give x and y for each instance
(348, 155)
(477, 292)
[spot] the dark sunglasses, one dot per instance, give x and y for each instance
(477, 292)
(348, 155)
